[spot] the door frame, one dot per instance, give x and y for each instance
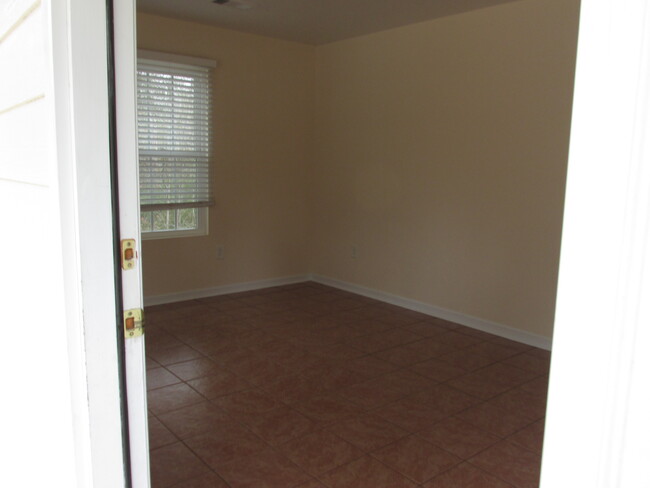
(597, 422)
(125, 66)
(80, 89)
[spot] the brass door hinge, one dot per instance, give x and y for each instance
(127, 247)
(133, 323)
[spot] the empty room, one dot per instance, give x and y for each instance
(362, 291)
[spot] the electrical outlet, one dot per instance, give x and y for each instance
(219, 252)
(354, 252)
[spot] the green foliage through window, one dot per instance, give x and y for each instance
(169, 220)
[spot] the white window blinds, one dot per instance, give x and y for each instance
(174, 135)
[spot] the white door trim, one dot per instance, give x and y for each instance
(597, 419)
(79, 68)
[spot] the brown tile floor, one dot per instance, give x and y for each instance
(306, 386)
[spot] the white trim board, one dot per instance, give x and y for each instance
(441, 313)
(178, 59)
(438, 312)
(223, 290)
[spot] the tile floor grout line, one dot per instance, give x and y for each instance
(432, 445)
(468, 461)
(204, 462)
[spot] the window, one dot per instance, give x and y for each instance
(174, 144)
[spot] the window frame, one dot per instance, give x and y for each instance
(202, 228)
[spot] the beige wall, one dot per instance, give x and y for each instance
(441, 153)
(263, 136)
(438, 149)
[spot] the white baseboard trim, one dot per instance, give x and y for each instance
(223, 290)
(438, 312)
(441, 313)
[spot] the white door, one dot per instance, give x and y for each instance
(124, 40)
